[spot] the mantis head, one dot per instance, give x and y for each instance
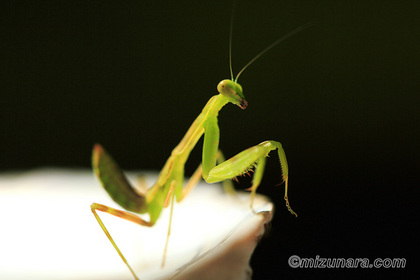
(233, 91)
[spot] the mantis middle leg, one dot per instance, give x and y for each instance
(197, 175)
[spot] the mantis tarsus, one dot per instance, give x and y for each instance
(214, 168)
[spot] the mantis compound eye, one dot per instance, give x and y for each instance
(226, 87)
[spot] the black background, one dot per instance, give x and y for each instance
(341, 96)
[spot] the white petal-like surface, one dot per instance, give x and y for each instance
(47, 231)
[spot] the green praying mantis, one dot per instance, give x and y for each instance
(214, 168)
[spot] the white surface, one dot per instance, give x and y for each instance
(47, 230)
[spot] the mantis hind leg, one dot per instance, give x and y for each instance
(121, 214)
(248, 159)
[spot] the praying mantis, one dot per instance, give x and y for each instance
(214, 168)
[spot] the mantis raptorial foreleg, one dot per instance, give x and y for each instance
(244, 162)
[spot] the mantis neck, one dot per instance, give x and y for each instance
(215, 106)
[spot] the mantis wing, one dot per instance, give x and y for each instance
(115, 182)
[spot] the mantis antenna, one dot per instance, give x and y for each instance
(230, 40)
(275, 43)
